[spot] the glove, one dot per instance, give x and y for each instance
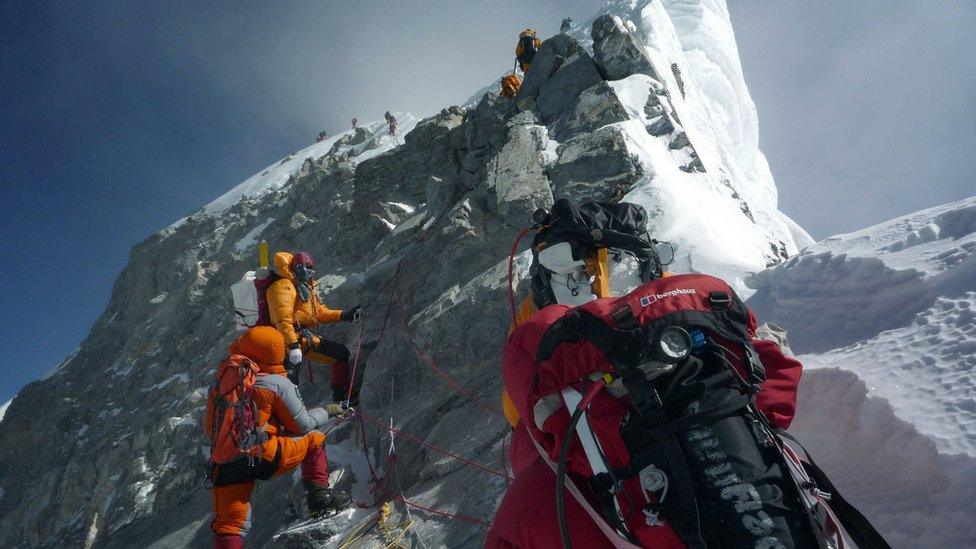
(351, 315)
(294, 356)
(334, 410)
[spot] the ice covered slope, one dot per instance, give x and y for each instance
(895, 304)
(693, 127)
(676, 101)
(886, 319)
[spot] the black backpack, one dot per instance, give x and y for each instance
(592, 225)
(528, 49)
(727, 477)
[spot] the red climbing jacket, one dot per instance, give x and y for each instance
(533, 375)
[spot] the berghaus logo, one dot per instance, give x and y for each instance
(647, 300)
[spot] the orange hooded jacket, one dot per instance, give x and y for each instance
(292, 429)
(519, 50)
(288, 310)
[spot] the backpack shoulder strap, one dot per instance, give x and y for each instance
(612, 536)
(856, 524)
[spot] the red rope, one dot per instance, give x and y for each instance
(362, 434)
(443, 513)
(426, 232)
(384, 480)
(431, 446)
(362, 327)
(355, 362)
(511, 270)
(382, 484)
(433, 365)
(505, 456)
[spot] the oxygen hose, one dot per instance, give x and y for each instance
(564, 455)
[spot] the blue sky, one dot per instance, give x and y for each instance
(118, 118)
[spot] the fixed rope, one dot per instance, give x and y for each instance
(433, 447)
(381, 485)
(432, 364)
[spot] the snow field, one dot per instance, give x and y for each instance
(895, 304)
(924, 370)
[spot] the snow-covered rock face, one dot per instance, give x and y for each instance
(670, 114)
(107, 451)
(894, 306)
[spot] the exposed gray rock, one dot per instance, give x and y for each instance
(316, 534)
(658, 108)
(679, 141)
(298, 220)
(617, 51)
(515, 175)
(485, 125)
(601, 156)
(550, 57)
(485, 131)
(676, 71)
(561, 90)
(595, 107)
(660, 126)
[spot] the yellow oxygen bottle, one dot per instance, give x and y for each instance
(263, 254)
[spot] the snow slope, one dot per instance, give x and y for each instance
(885, 319)
(722, 219)
(896, 305)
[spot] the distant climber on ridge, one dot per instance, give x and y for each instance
(278, 436)
(391, 122)
(510, 85)
(322, 136)
(525, 50)
(295, 310)
(355, 122)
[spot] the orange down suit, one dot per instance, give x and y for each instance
(288, 310)
(292, 429)
(520, 49)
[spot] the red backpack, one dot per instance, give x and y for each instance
(231, 417)
(650, 397)
(261, 286)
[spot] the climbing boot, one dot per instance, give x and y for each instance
(323, 501)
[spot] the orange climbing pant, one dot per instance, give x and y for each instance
(232, 502)
(232, 508)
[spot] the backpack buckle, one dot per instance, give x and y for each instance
(624, 317)
(757, 371)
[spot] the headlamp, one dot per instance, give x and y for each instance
(670, 347)
(673, 345)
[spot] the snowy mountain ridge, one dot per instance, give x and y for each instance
(885, 321)
(352, 146)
